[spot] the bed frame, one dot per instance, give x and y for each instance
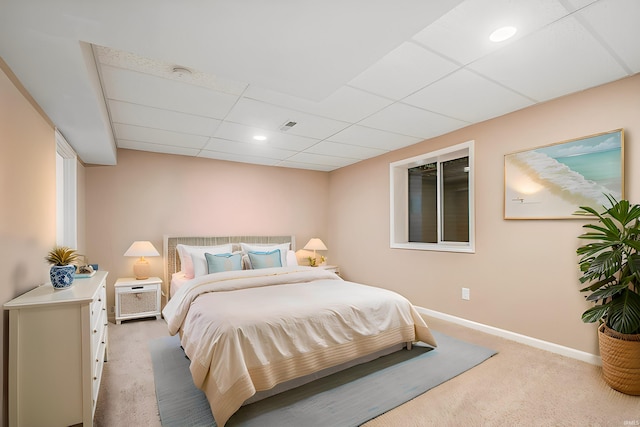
(172, 260)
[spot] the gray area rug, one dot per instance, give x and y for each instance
(347, 398)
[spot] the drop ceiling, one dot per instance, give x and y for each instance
(352, 79)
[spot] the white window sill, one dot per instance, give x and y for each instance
(434, 247)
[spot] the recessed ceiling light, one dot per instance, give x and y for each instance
(502, 34)
(260, 137)
(180, 71)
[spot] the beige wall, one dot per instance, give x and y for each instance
(523, 276)
(27, 191)
(148, 195)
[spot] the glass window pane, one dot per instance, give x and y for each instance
(423, 217)
(455, 200)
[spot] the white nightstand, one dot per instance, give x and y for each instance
(333, 268)
(137, 298)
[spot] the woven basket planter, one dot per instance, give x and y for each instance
(620, 360)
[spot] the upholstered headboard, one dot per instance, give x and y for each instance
(172, 260)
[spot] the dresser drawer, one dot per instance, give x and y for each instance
(98, 363)
(98, 307)
(98, 332)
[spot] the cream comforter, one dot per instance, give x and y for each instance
(247, 331)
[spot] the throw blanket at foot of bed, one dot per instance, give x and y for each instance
(249, 330)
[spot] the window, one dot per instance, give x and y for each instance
(432, 201)
(66, 193)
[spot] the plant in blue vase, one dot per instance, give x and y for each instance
(63, 270)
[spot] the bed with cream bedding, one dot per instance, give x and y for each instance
(246, 331)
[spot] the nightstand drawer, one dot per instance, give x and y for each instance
(137, 301)
(137, 298)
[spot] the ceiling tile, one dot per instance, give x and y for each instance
(240, 158)
(344, 150)
(158, 136)
(467, 96)
(559, 59)
(373, 138)
(242, 148)
(616, 21)
(152, 91)
(463, 33)
(412, 121)
(140, 115)
(321, 159)
(287, 141)
(270, 117)
(403, 71)
(346, 104)
(308, 166)
(166, 70)
(578, 4)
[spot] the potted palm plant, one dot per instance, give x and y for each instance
(610, 265)
(63, 270)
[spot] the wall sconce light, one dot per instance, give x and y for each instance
(141, 249)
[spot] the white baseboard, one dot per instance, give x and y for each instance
(522, 339)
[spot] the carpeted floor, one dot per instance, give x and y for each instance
(519, 386)
(347, 398)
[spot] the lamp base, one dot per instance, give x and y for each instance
(141, 270)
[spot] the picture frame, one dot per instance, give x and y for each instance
(553, 181)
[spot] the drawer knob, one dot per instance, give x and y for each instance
(95, 331)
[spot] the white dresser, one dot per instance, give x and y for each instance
(57, 348)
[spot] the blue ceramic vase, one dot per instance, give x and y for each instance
(62, 276)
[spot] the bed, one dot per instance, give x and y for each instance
(252, 332)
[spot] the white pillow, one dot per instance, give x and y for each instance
(284, 248)
(292, 259)
(193, 261)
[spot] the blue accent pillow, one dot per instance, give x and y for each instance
(217, 263)
(265, 259)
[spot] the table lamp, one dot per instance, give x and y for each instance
(314, 245)
(141, 249)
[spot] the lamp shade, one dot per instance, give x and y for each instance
(141, 249)
(315, 244)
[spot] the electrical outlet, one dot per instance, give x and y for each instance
(112, 309)
(466, 294)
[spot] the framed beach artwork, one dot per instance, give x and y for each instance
(553, 181)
